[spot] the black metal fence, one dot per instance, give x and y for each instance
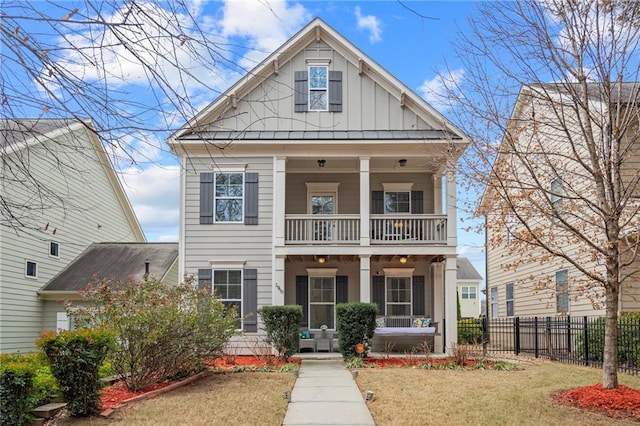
(578, 340)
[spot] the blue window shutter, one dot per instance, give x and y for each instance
(302, 298)
(300, 91)
(417, 202)
(204, 279)
(377, 202)
(251, 198)
(335, 91)
(250, 300)
(418, 295)
(206, 198)
(342, 289)
(377, 294)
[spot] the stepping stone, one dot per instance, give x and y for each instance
(47, 411)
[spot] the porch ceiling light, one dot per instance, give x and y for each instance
(321, 259)
(403, 259)
(402, 162)
(321, 163)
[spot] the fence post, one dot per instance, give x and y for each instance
(585, 334)
(516, 335)
(536, 345)
(569, 351)
(485, 335)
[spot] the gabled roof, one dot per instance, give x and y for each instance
(466, 271)
(317, 29)
(118, 261)
(19, 133)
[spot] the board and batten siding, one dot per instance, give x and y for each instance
(92, 212)
(366, 105)
(231, 241)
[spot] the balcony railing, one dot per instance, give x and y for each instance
(385, 229)
(408, 229)
(322, 229)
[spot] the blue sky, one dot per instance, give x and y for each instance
(412, 48)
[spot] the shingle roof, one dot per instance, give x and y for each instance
(466, 271)
(16, 131)
(323, 135)
(628, 92)
(116, 261)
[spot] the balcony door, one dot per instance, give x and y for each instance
(323, 202)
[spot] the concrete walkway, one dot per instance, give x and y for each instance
(326, 394)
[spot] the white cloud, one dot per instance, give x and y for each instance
(369, 23)
(434, 91)
(154, 195)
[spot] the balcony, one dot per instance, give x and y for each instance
(423, 229)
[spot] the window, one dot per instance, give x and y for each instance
(229, 197)
(562, 292)
(318, 88)
(54, 249)
(322, 302)
(509, 299)
(398, 296)
(397, 202)
(469, 292)
(31, 269)
(510, 222)
(227, 286)
(556, 189)
(494, 302)
(62, 321)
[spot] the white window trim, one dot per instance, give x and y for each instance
(386, 290)
(229, 167)
(309, 89)
(51, 255)
(468, 288)
(213, 287)
(317, 61)
(566, 295)
(397, 186)
(227, 264)
(322, 188)
(492, 303)
(62, 321)
(215, 198)
(26, 262)
(398, 272)
(322, 274)
(507, 300)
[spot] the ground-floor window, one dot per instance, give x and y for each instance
(562, 292)
(227, 286)
(322, 302)
(398, 296)
(494, 302)
(509, 299)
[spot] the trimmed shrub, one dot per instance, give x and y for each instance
(628, 340)
(15, 387)
(45, 387)
(470, 331)
(355, 322)
(75, 358)
(282, 326)
(163, 332)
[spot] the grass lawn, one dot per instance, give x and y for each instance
(222, 399)
(481, 397)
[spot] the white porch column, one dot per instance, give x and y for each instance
(450, 302)
(277, 298)
(365, 278)
(437, 194)
(438, 305)
(279, 195)
(365, 240)
(452, 214)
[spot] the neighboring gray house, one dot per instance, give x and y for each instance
(116, 261)
(63, 165)
(468, 289)
(319, 178)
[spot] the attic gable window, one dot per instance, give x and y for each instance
(318, 88)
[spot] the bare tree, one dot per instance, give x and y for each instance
(559, 170)
(90, 60)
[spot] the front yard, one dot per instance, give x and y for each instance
(403, 396)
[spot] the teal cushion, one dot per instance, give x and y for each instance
(305, 334)
(379, 322)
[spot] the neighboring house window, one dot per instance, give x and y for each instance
(562, 292)
(556, 189)
(322, 302)
(469, 292)
(62, 321)
(229, 197)
(31, 269)
(398, 296)
(510, 222)
(54, 249)
(318, 88)
(494, 302)
(509, 299)
(227, 286)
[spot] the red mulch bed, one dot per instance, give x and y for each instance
(114, 395)
(623, 402)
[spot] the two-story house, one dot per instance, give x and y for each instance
(524, 280)
(63, 195)
(319, 178)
